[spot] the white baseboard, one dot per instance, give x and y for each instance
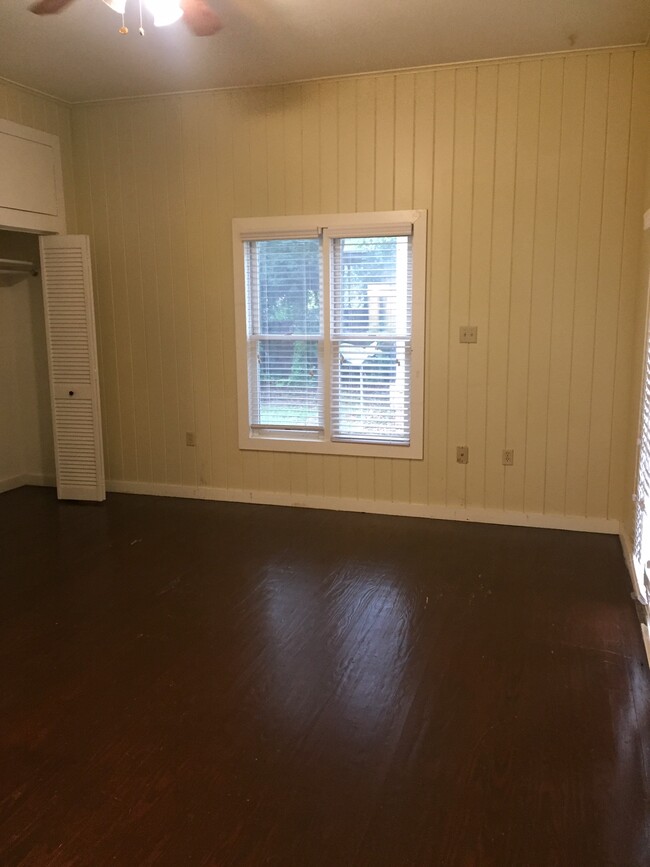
(646, 640)
(380, 507)
(39, 479)
(11, 483)
(349, 504)
(638, 592)
(626, 545)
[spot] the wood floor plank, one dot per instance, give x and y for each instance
(189, 682)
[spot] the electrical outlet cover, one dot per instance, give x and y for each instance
(468, 334)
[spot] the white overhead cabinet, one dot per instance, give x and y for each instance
(31, 182)
(72, 355)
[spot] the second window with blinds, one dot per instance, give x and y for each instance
(330, 333)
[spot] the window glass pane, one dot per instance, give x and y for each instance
(288, 389)
(285, 286)
(370, 391)
(371, 286)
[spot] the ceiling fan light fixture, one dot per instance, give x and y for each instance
(165, 12)
(198, 15)
(116, 5)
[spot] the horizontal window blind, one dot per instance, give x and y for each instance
(382, 230)
(371, 319)
(287, 390)
(642, 503)
(284, 289)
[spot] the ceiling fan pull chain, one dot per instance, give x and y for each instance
(141, 29)
(123, 29)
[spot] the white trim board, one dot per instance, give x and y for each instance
(626, 545)
(646, 640)
(638, 591)
(377, 507)
(11, 483)
(576, 523)
(38, 479)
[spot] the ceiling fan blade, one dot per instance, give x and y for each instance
(48, 7)
(198, 16)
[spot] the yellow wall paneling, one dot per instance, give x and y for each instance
(532, 174)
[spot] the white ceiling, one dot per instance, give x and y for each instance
(78, 55)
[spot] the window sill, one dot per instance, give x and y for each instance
(321, 447)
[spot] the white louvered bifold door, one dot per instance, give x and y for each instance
(72, 357)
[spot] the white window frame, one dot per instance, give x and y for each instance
(327, 226)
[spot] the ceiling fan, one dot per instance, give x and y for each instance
(197, 14)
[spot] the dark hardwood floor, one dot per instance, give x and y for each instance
(188, 682)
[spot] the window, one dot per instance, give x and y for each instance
(330, 332)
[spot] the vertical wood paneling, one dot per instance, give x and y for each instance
(26, 100)
(541, 301)
(131, 299)
(60, 117)
(500, 282)
(160, 117)
(524, 226)
(115, 162)
(609, 283)
(562, 301)
(438, 295)
(529, 171)
(240, 206)
(12, 103)
(461, 249)
(586, 282)
(218, 248)
(144, 239)
(193, 112)
(310, 139)
(479, 294)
